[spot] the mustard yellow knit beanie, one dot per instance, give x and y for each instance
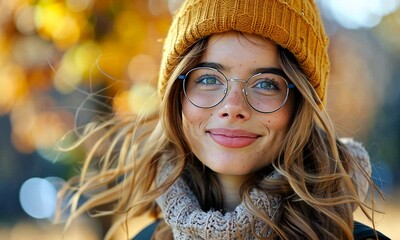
(293, 24)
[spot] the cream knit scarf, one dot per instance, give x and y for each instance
(183, 213)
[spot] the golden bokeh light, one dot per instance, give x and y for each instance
(143, 98)
(67, 33)
(130, 28)
(121, 103)
(140, 99)
(157, 7)
(49, 127)
(173, 5)
(48, 16)
(32, 52)
(36, 127)
(23, 117)
(67, 77)
(77, 66)
(114, 58)
(79, 5)
(4, 49)
(13, 86)
(57, 45)
(24, 19)
(143, 68)
(55, 21)
(86, 55)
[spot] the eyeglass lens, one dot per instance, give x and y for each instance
(206, 87)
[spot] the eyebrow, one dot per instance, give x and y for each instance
(252, 71)
(274, 70)
(214, 65)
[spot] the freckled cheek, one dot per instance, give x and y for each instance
(187, 114)
(194, 122)
(278, 121)
(188, 131)
(195, 115)
(187, 121)
(190, 118)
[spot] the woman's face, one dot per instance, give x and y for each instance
(232, 138)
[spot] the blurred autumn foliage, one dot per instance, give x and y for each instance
(51, 48)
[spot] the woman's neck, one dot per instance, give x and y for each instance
(230, 187)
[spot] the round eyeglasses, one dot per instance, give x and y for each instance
(265, 92)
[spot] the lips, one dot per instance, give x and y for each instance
(232, 138)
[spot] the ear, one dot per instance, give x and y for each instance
(361, 167)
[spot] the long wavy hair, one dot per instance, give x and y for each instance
(318, 196)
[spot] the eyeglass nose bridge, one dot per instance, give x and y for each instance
(235, 80)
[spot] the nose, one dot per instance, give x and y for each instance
(234, 106)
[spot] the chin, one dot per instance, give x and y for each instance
(231, 169)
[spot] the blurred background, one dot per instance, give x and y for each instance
(65, 62)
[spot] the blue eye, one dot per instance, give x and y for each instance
(267, 84)
(207, 80)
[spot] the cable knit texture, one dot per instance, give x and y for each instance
(293, 24)
(183, 213)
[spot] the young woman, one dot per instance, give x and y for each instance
(242, 147)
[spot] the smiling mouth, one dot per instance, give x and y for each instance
(232, 138)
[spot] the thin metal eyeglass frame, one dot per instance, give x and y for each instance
(289, 86)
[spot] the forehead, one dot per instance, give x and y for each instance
(234, 48)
